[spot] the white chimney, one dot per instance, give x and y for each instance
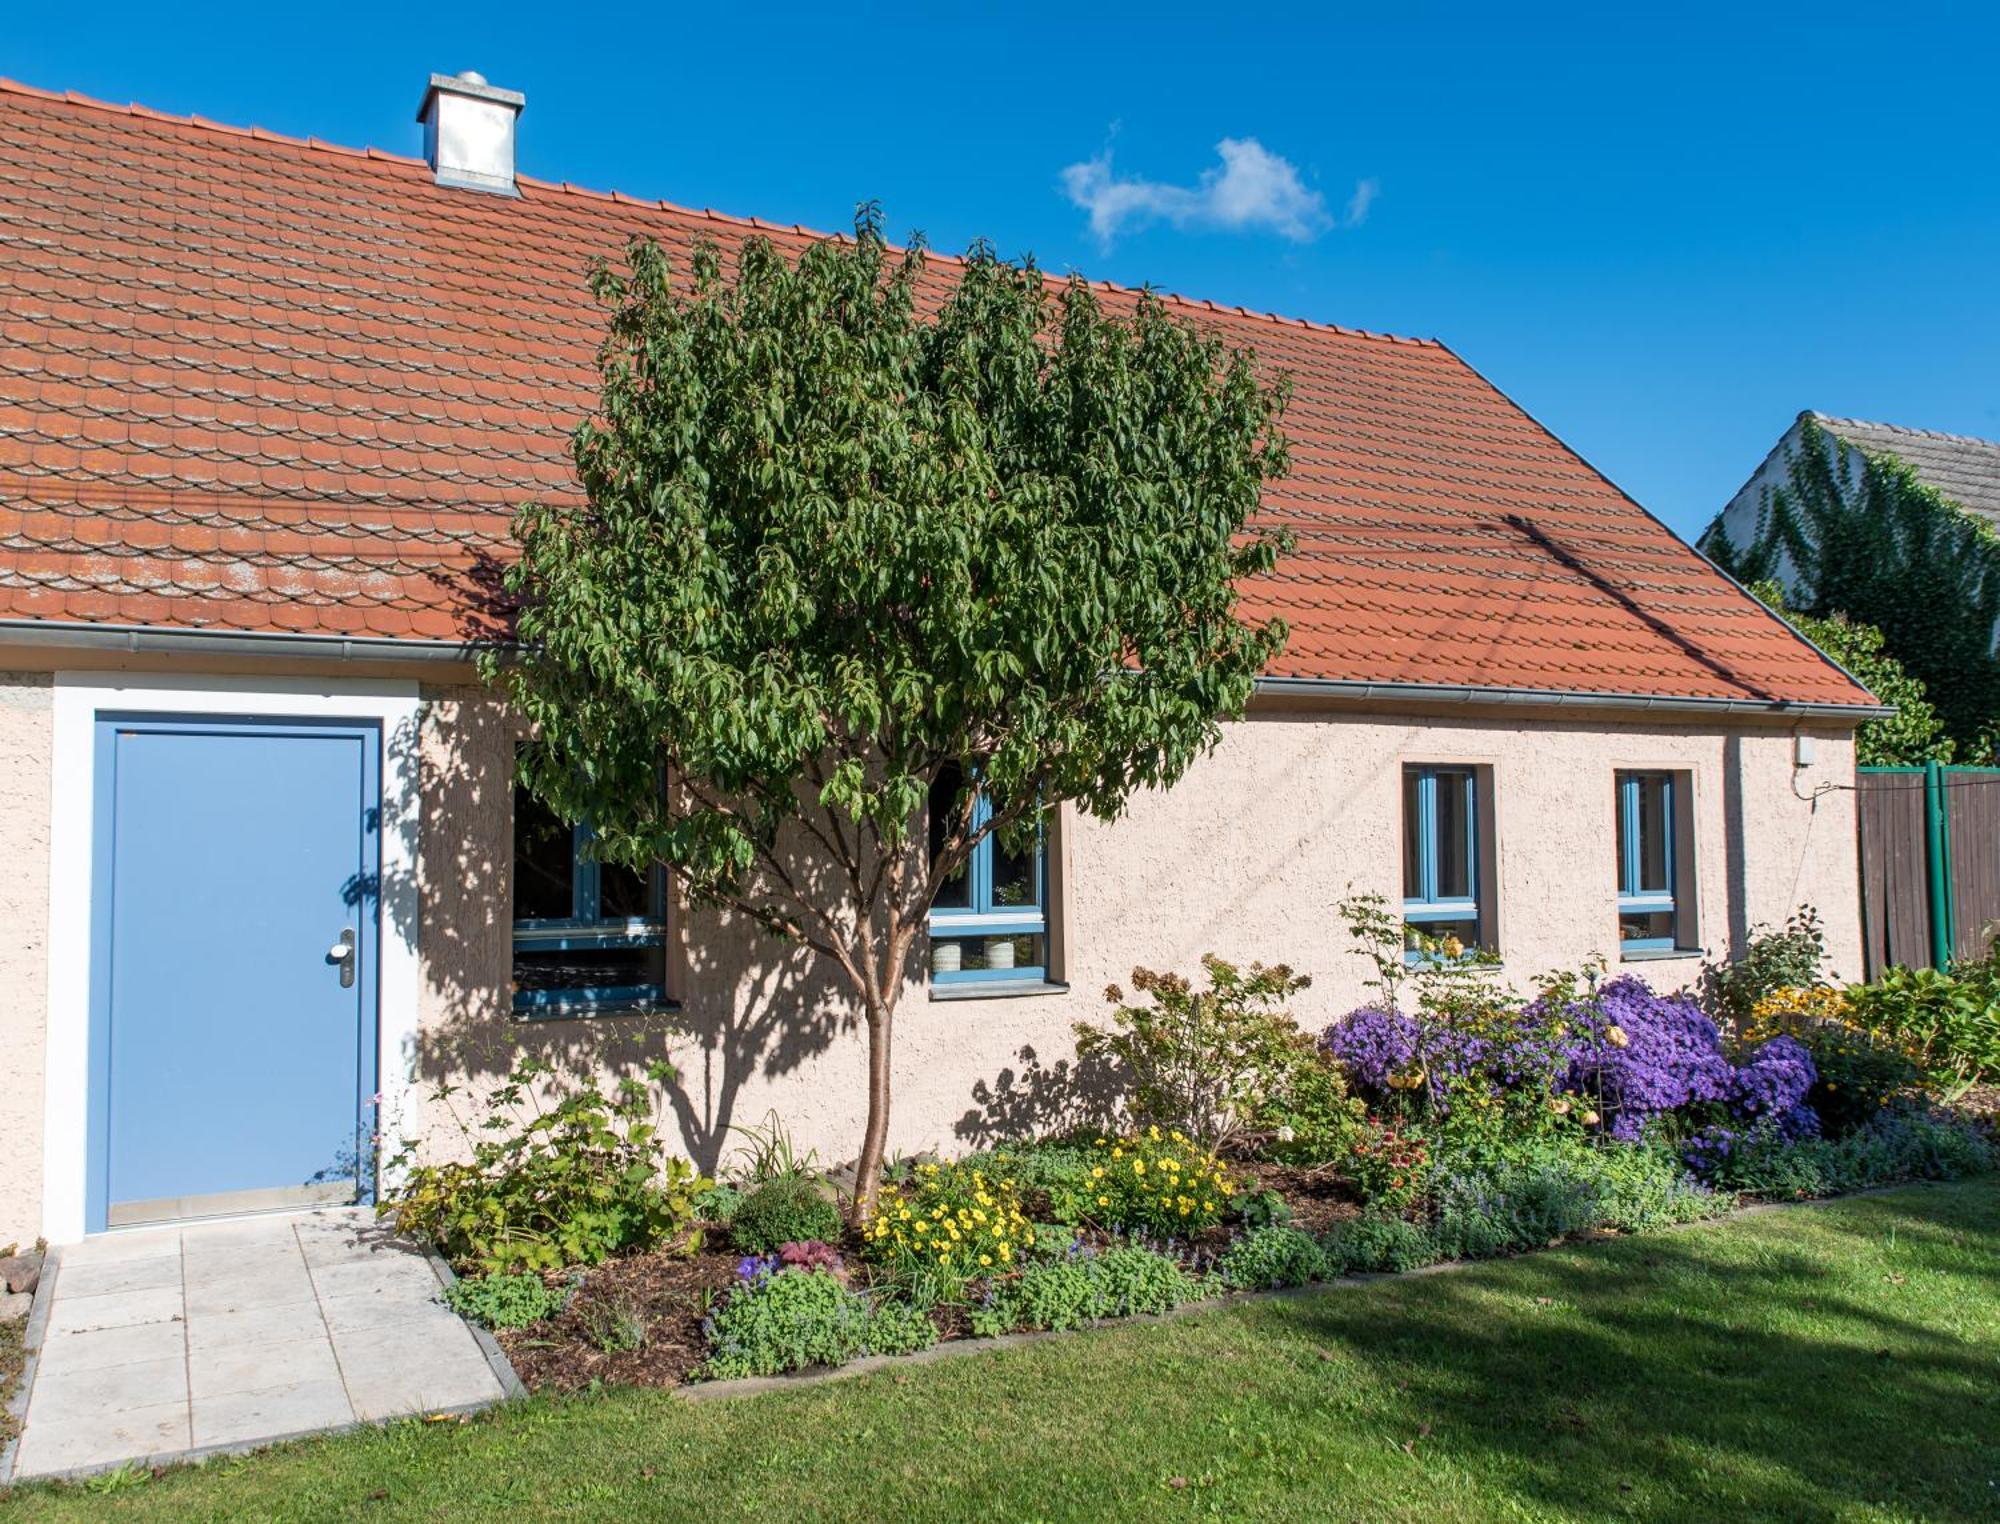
(469, 132)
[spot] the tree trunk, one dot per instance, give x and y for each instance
(868, 1169)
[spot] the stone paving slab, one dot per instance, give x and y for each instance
(165, 1345)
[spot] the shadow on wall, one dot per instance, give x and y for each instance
(1040, 1100)
(752, 1009)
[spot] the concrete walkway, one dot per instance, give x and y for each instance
(167, 1343)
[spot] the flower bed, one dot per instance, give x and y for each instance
(1448, 1119)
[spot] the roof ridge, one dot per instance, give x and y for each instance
(1903, 428)
(564, 187)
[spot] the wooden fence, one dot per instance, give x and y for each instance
(1930, 863)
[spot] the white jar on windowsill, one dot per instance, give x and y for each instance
(946, 957)
(999, 952)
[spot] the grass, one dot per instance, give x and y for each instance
(1833, 1362)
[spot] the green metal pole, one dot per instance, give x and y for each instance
(1935, 848)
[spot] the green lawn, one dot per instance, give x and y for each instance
(1835, 1362)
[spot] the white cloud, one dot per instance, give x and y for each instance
(1365, 192)
(1252, 189)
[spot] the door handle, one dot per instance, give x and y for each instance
(342, 952)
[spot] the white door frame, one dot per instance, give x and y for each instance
(78, 699)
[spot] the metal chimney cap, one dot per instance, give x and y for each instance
(470, 84)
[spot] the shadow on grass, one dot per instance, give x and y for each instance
(1783, 1382)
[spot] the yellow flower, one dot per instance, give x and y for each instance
(985, 1259)
(1138, 1166)
(1154, 1132)
(1005, 1253)
(1104, 1201)
(1097, 1173)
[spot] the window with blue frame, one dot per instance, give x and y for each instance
(587, 935)
(1441, 855)
(1648, 902)
(988, 922)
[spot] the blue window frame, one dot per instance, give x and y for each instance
(989, 922)
(1440, 855)
(588, 936)
(1648, 902)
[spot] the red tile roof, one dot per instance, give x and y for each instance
(254, 384)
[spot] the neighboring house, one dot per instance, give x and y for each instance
(1964, 470)
(1894, 528)
(265, 409)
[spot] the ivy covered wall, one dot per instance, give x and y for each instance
(1844, 532)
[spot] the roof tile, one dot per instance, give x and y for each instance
(253, 382)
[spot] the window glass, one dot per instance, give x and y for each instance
(575, 942)
(956, 891)
(1413, 825)
(544, 861)
(1653, 846)
(1454, 835)
(623, 895)
(986, 921)
(585, 969)
(1466, 929)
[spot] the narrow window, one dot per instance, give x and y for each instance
(1650, 830)
(1441, 865)
(587, 935)
(989, 920)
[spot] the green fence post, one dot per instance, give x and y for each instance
(1935, 860)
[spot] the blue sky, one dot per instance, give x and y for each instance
(1662, 230)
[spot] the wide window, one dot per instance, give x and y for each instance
(587, 935)
(1441, 855)
(989, 921)
(1649, 829)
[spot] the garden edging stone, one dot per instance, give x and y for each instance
(31, 1344)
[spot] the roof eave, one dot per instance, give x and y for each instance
(1564, 698)
(139, 640)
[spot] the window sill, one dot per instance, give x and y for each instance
(1658, 954)
(997, 989)
(585, 1010)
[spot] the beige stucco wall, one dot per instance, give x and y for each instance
(26, 731)
(1247, 858)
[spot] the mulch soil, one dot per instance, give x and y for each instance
(670, 1294)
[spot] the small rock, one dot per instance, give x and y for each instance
(14, 1304)
(21, 1272)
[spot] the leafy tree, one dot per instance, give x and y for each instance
(1914, 734)
(847, 531)
(1859, 535)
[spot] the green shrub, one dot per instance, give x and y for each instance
(1084, 1288)
(1790, 957)
(718, 1203)
(1645, 1185)
(1260, 1209)
(786, 1320)
(559, 1174)
(1222, 1061)
(1900, 1146)
(788, 1209)
(1308, 1118)
(1949, 1024)
(1378, 1240)
(1276, 1255)
(503, 1301)
(1559, 1187)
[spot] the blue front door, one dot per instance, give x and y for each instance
(234, 934)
